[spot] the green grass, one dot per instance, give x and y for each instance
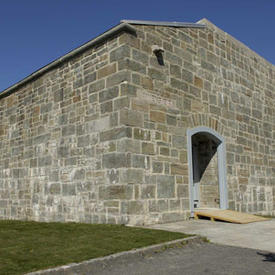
(31, 246)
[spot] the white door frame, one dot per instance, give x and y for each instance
(221, 165)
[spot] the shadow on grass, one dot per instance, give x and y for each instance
(268, 257)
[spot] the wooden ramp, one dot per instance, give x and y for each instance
(228, 216)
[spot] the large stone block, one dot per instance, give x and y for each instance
(116, 133)
(99, 125)
(97, 86)
(157, 116)
(131, 118)
(178, 84)
(157, 167)
(131, 176)
(140, 57)
(173, 217)
(132, 207)
(165, 186)
(62, 152)
(142, 134)
(68, 130)
(148, 148)
(107, 70)
(83, 141)
(156, 74)
(44, 161)
(187, 76)
(90, 78)
(41, 139)
(116, 160)
(118, 78)
(177, 169)
(148, 191)
(158, 206)
(68, 189)
(115, 192)
(140, 161)
(131, 65)
(108, 94)
(120, 53)
(106, 107)
(55, 189)
(129, 145)
(79, 174)
(178, 142)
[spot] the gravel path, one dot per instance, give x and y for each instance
(205, 258)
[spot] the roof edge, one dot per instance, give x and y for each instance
(111, 32)
(226, 35)
(164, 23)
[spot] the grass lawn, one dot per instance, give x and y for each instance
(31, 246)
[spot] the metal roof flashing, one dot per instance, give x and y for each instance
(164, 23)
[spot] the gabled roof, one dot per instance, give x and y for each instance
(125, 25)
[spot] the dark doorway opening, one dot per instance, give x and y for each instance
(205, 171)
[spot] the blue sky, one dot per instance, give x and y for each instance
(34, 32)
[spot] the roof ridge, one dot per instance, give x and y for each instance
(164, 23)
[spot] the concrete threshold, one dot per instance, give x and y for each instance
(96, 264)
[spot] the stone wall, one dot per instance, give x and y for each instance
(102, 138)
(210, 79)
(55, 135)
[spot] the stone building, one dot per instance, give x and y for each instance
(141, 125)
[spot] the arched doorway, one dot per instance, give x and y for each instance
(207, 169)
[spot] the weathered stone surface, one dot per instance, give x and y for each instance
(129, 145)
(118, 78)
(131, 176)
(178, 142)
(108, 94)
(62, 152)
(89, 78)
(120, 53)
(177, 169)
(68, 130)
(115, 192)
(142, 134)
(97, 86)
(55, 189)
(116, 133)
(68, 189)
(44, 161)
(157, 167)
(107, 70)
(165, 186)
(157, 116)
(132, 207)
(115, 160)
(106, 107)
(41, 139)
(132, 65)
(131, 118)
(148, 192)
(79, 174)
(140, 161)
(156, 74)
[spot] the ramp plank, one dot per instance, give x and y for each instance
(228, 215)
